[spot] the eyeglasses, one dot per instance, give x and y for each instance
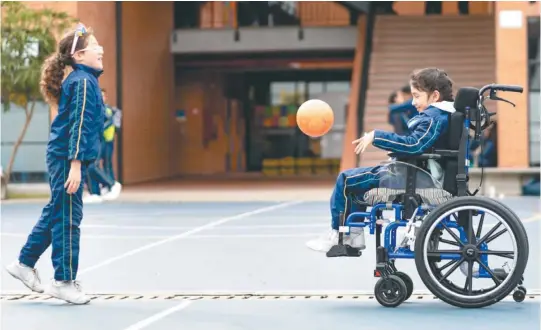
(96, 48)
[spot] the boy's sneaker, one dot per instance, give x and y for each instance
(29, 276)
(113, 193)
(69, 291)
(323, 244)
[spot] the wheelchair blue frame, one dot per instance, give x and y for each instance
(390, 233)
(390, 230)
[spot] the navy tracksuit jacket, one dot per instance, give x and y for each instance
(75, 134)
(426, 130)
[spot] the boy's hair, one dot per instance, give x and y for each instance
(103, 90)
(431, 79)
(54, 67)
(392, 98)
(406, 89)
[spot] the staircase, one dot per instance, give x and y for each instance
(464, 46)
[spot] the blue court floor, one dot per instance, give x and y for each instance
(138, 258)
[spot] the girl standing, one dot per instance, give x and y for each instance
(73, 144)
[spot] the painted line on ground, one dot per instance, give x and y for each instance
(156, 317)
(128, 237)
(188, 233)
(285, 226)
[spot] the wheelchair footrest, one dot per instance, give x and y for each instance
(343, 251)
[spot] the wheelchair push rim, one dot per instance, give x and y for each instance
(470, 252)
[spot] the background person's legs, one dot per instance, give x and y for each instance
(108, 149)
(98, 176)
(94, 192)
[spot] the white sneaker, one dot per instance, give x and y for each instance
(113, 193)
(92, 199)
(323, 244)
(69, 291)
(29, 276)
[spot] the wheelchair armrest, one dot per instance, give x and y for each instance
(416, 157)
(438, 154)
(447, 153)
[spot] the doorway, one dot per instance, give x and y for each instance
(274, 145)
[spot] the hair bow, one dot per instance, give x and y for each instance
(79, 31)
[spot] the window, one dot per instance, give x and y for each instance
(534, 89)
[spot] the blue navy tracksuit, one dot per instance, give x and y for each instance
(426, 130)
(75, 134)
(400, 114)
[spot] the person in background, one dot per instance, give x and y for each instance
(401, 110)
(486, 149)
(108, 143)
(101, 182)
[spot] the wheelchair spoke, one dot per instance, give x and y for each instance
(457, 239)
(487, 235)
(443, 240)
(470, 228)
(469, 278)
(505, 254)
(438, 253)
(447, 265)
(480, 226)
(455, 266)
(498, 234)
(494, 278)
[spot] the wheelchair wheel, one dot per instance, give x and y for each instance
(390, 291)
(407, 281)
(469, 249)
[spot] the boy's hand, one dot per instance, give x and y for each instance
(363, 142)
(74, 177)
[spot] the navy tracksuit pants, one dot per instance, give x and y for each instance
(58, 225)
(355, 181)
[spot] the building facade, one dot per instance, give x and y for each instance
(211, 88)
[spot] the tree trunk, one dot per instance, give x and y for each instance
(17, 144)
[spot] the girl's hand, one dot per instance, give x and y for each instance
(74, 177)
(363, 142)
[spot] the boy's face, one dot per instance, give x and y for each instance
(104, 97)
(91, 55)
(399, 98)
(421, 99)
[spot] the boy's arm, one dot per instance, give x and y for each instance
(404, 106)
(423, 137)
(108, 120)
(82, 103)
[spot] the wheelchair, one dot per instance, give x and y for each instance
(427, 207)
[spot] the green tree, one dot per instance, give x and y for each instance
(28, 38)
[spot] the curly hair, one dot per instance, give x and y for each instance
(430, 80)
(54, 67)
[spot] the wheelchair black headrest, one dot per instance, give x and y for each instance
(466, 97)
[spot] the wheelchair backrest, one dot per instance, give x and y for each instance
(456, 125)
(466, 97)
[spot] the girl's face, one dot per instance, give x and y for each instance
(91, 55)
(421, 100)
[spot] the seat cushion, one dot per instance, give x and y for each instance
(430, 196)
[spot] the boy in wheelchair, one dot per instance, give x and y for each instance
(432, 92)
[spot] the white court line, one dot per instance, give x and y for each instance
(188, 233)
(99, 226)
(128, 237)
(156, 317)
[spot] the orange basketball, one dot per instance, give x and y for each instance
(315, 118)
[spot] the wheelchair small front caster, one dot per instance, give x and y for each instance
(390, 291)
(407, 281)
(520, 294)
